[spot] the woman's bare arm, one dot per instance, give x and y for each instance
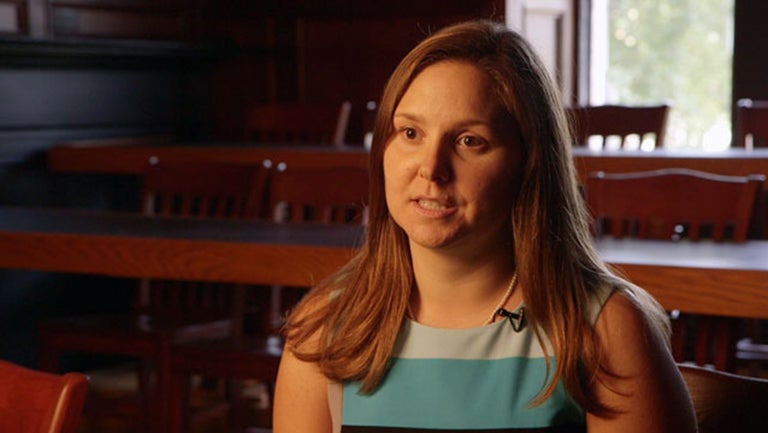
(301, 398)
(649, 394)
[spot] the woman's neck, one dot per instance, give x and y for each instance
(459, 292)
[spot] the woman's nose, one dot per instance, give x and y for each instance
(435, 165)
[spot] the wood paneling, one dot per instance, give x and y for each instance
(352, 60)
(348, 52)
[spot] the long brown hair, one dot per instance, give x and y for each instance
(353, 318)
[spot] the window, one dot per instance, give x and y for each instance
(678, 52)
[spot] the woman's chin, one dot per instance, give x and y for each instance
(434, 239)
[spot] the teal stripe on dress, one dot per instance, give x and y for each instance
(558, 429)
(460, 394)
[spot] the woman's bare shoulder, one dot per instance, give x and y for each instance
(640, 379)
(301, 391)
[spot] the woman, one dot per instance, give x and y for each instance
(477, 301)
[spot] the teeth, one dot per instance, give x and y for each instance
(431, 204)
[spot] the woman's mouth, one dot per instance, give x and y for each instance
(432, 204)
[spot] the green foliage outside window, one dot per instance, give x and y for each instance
(679, 52)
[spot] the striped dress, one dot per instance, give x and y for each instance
(460, 380)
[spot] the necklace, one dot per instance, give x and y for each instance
(504, 299)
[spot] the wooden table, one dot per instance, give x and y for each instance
(126, 245)
(727, 279)
(707, 278)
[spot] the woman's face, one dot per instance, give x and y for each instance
(452, 167)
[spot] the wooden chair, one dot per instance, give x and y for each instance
(308, 123)
(751, 123)
(315, 195)
(679, 204)
(37, 402)
(751, 132)
(726, 402)
(619, 126)
(304, 194)
(297, 195)
(165, 311)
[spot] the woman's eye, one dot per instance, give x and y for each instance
(471, 141)
(410, 133)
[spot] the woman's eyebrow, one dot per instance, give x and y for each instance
(408, 116)
(464, 123)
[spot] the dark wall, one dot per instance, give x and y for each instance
(50, 97)
(44, 105)
(750, 45)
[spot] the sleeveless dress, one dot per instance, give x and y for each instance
(479, 379)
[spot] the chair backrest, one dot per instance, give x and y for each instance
(33, 401)
(202, 190)
(619, 126)
(328, 195)
(726, 402)
(751, 123)
(307, 123)
(672, 204)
